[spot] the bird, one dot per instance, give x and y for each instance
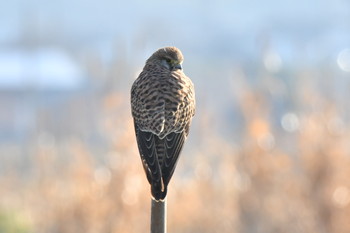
(162, 107)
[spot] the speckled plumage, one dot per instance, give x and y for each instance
(163, 104)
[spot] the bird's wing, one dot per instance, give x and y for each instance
(146, 142)
(173, 144)
(147, 102)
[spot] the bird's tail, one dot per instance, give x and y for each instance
(159, 190)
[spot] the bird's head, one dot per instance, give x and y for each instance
(168, 57)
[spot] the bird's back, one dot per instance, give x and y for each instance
(162, 101)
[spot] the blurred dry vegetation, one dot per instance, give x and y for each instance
(289, 175)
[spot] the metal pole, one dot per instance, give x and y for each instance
(158, 216)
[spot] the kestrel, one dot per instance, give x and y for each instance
(163, 104)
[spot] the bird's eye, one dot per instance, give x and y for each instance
(167, 60)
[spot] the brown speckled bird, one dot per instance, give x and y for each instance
(163, 104)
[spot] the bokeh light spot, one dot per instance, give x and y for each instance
(102, 176)
(341, 196)
(272, 61)
(290, 122)
(343, 60)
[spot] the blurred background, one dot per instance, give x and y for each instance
(269, 146)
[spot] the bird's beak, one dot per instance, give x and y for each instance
(178, 67)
